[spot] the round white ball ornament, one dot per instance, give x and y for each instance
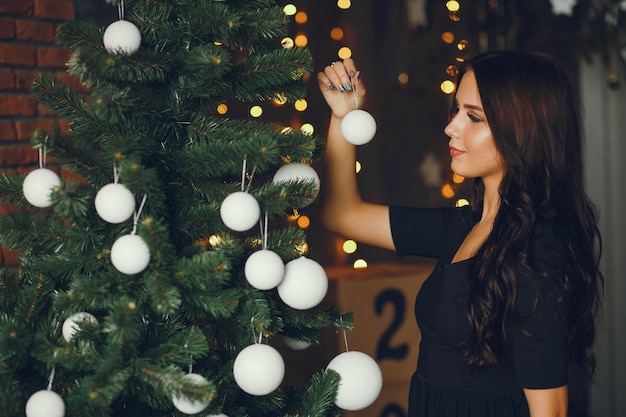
(115, 203)
(295, 344)
(264, 269)
(122, 37)
(358, 127)
(304, 285)
(130, 254)
(296, 171)
(71, 324)
(259, 369)
(38, 186)
(45, 403)
(186, 405)
(361, 380)
(240, 211)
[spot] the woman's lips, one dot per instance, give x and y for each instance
(455, 152)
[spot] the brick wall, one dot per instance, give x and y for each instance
(27, 29)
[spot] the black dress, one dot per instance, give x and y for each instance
(443, 386)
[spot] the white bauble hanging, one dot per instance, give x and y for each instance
(130, 254)
(361, 380)
(358, 127)
(122, 37)
(45, 403)
(296, 171)
(240, 211)
(295, 344)
(259, 369)
(186, 405)
(38, 185)
(71, 324)
(304, 285)
(115, 203)
(264, 269)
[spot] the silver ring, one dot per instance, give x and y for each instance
(332, 64)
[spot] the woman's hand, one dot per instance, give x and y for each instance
(338, 84)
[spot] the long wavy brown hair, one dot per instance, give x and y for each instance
(535, 120)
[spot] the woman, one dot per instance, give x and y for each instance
(513, 297)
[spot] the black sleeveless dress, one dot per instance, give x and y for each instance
(443, 386)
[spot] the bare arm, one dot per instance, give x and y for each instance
(343, 210)
(550, 402)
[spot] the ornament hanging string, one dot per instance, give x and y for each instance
(138, 213)
(42, 156)
(345, 336)
(120, 10)
(263, 227)
(355, 89)
(254, 333)
(116, 174)
(243, 175)
(51, 379)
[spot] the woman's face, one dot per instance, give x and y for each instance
(472, 147)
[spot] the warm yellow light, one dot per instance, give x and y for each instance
(454, 16)
(447, 37)
(302, 249)
(344, 4)
(359, 263)
(447, 87)
(287, 43)
(307, 129)
(453, 6)
(256, 111)
(222, 108)
(447, 191)
(336, 34)
(294, 216)
(403, 78)
(457, 179)
(358, 167)
(344, 53)
(462, 45)
(452, 70)
(461, 202)
(349, 246)
(280, 99)
(301, 17)
(215, 240)
(290, 9)
(301, 105)
(304, 222)
(301, 40)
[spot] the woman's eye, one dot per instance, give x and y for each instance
(473, 118)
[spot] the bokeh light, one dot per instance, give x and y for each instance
(344, 53)
(344, 4)
(447, 191)
(290, 9)
(349, 246)
(359, 264)
(222, 108)
(447, 87)
(256, 111)
(336, 33)
(301, 105)
(307, 129)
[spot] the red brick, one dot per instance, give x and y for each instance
(7, 131)
(71, 82)
(52, 57)
(54, 9)
(18, 155)
(10, 257)
(25, 128)
(7, 28)
(24, 79)
(17, 7)
(16, 105)
(7, 79)
(27, 30)
(14, 54)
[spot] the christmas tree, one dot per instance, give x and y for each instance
(154, 277)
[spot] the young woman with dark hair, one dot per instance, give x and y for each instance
(513, 298)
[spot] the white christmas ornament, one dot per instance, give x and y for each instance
(259, 369)
(264, 269)
(295, 344)
(45, 403)
(186, 405)
(358, 127)
(38, 186)
(115, 203)
(130, 254)
(296, 171)
(71, 324)
(304, 285)
(122, 37)
(240, 211)
(361, 380)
